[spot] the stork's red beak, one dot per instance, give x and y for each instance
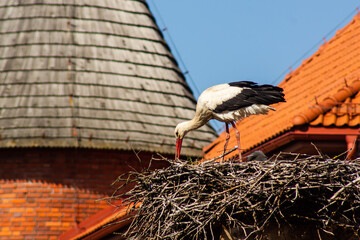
(178, 148)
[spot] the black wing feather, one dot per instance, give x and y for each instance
(251, 94)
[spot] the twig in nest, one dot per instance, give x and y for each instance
(222, 155)
(343, 188)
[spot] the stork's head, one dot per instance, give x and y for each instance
(180, 132)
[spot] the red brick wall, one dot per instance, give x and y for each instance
(44, 192)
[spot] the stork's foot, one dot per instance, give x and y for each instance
(239, 158)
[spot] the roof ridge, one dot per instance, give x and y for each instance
(327, 104)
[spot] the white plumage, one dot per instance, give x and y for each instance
(229, 103)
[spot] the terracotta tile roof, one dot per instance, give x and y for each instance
(333, 70)
(100, 223)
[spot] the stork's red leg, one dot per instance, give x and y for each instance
(226, 140)
(237, 134)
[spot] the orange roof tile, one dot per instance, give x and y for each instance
(345, 113)
(333, 67)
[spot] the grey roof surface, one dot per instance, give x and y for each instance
(92, 74)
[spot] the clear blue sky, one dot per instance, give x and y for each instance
(234, 40)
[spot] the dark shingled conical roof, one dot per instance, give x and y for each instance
(92, 74)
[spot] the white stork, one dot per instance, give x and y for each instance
(228, 103)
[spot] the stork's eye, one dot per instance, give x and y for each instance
(177, 134)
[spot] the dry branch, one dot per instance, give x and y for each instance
(186, 201)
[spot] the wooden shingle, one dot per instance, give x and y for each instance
(93, 74)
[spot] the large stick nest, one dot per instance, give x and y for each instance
(314, 195)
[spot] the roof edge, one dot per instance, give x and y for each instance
(297, 133)
(38, 142)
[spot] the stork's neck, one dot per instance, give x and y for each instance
(195, 123)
